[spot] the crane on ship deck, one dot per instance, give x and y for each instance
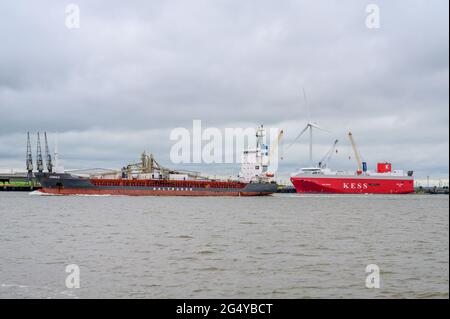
(324, 161)
(272, 153)
(276, 145)
(357, 154)
(148, 165)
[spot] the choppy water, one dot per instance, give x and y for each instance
(284, 246)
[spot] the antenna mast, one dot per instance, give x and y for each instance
(260, 148)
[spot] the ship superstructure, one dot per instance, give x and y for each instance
(255, 162)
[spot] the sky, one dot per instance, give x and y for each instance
(134, 71)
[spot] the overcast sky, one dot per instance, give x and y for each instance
(135, 70)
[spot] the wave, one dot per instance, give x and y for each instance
(39, 193)
(298, 195)
(92, 195)
(38, 291)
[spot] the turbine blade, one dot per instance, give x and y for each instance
(319, 127)
(298, 136)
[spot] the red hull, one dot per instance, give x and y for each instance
(352, 185)
(82, 191)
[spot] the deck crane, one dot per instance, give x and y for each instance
(48, 156)
(324, 161)
(29, 159)
(357, 155)
(148, 164)
(271, 170)
(276, 144)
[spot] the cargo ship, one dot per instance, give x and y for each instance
(148, 177)
(320, 179)
(69, 184)
(383, 181)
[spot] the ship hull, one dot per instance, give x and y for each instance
(67, 184)
(142, 192)
(353, 185)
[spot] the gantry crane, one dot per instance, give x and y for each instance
(48, 156)
(39, 161)
(29, 159)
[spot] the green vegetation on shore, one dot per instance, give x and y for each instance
(17, 184)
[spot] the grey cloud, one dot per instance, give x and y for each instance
(151, 66)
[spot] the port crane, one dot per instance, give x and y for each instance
(324, 161)
(29, 159)
(39, 161)
(48, 156)
(356, 152)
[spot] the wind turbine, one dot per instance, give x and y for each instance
(309, 126)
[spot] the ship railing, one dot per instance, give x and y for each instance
(165, 183)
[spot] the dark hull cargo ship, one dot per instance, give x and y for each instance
(148, 177)
(68, 184)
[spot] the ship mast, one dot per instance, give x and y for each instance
(259, 144)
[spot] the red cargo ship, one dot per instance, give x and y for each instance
(320, 179)
(384, 181)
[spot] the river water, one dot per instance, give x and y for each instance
(281, 246)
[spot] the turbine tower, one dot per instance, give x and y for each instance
(39, 161)
(29, 159)
(48, 156)
(309, 126)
